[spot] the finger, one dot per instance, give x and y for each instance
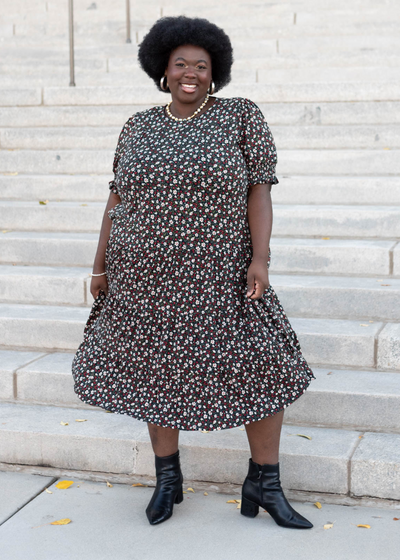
(259, 290)
(250, 285)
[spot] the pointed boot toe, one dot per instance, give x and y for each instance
(262, 488)
(168, 489)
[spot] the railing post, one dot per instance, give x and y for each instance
(128, 22)
(71, 44)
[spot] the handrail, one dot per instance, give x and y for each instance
(71, 43)
(71, 37)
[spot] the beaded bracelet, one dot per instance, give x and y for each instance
(102, 274)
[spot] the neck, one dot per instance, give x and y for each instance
(184, 110)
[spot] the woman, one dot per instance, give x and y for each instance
(185, 332)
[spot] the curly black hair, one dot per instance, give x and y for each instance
(169, 33)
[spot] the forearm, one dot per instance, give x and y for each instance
(100, 258)
(259, 213)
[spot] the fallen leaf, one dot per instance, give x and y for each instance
(396, 518)
(138, 484)
(108, 484)
(61, 522)
(184, 492)
(205, 431)
(329, 373)
(365, 526)
(302, 435)
(239, 503)
(80, 420)
(5, 231)
(12, 173)
(64, 423)
(386, 148)
(328, 526)
(48, 491)
(385, 284)
(370, 321)
(43, 202)
(241, 429)
(363, 325)
(318, 505)
(64, 484)
(360, 437)
(206, 493)
(325, 238)
(231, 502)
(190, 490)
(83, 205)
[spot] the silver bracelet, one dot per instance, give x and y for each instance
(102, 274)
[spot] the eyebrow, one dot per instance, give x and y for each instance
(181, 58)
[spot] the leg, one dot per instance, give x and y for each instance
(163, 440)
(262, 487)
(168, 490)
(264, 438)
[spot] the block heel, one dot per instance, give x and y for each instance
(248, 509)
(179, 496)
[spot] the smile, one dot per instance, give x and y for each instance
(188, 88)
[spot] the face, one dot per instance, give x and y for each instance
(189, 73)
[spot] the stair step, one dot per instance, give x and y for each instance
(44, 285)
(310, 256)
(31, 435)
(290, 137)
(338, 297)
(291, 162)
(289, 220)
(324, 341)
(359, 400)
(374, 191)
(301, 296)
(293, 114)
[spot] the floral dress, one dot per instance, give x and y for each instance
(176, 342)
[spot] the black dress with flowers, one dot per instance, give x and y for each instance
(176, 342)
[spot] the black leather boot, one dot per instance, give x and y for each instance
(168, 489)
(262, 488)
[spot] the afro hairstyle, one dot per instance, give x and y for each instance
(169, 33)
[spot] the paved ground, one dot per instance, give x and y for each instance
(111, 523)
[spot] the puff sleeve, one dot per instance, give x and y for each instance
(257, 145)
(117, 155)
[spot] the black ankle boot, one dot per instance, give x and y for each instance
(262, 488)
(168, 489)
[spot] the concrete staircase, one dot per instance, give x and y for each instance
(326, 77)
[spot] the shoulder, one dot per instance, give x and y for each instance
(141, 118)
(241, 105)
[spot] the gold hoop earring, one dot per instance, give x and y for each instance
(211, 89)
(163, 85)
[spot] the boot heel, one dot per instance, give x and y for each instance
(249, 509)
(179, 496)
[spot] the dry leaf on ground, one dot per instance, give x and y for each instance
(396, 518)
(231, 502)
(328, 525)
(64, 484)
(138, 484)
(325, 238)
(80, 420)
(43, 202)
(108, 484)
(364, 526)
(304, 436)
(318, 505)
(206, 493)
(64, 423)
(48, 491)
(61, 522)
(363, 325)
(191, 490)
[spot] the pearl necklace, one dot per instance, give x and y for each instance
(197, 111)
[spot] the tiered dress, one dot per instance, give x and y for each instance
(176, 342)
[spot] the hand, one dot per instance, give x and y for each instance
(257, 278)
(98, 284)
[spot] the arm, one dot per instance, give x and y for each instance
(259, 212)
(100, 282)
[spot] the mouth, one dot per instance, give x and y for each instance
(188, 88)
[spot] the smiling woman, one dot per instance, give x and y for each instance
(186, 332)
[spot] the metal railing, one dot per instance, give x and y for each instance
(71, 37)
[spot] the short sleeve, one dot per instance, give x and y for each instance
(118, 153)
(257, 145)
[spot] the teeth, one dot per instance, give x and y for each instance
(189, 85)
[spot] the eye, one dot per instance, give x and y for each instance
(202, 67)
(179, 64)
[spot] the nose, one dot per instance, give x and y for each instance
(190, 72)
